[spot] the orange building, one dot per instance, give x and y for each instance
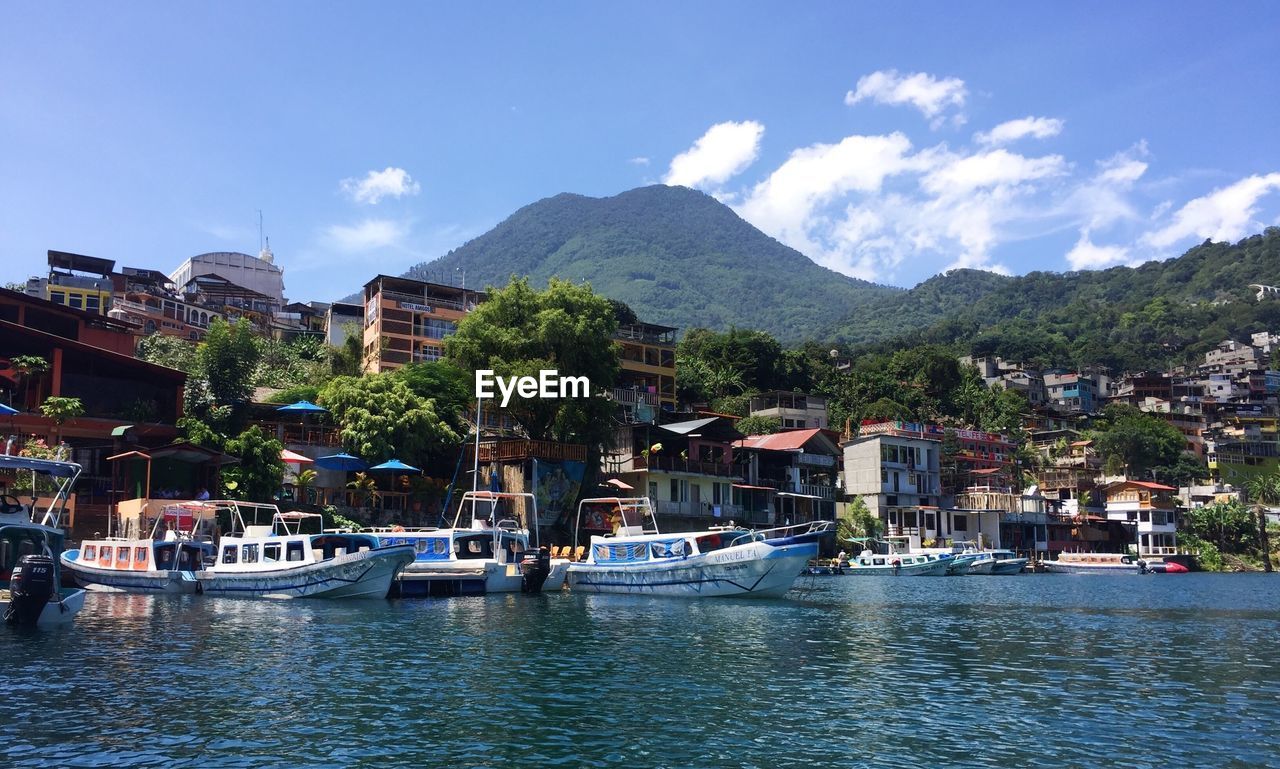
(406, 320)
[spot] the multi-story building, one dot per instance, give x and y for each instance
(1072, 391)
(76, 281)
(1231, 356)
(259, 274)
(794, 411)
(895, 468)
(1151, 509)
(687, 469)
(342, 320)
(793, 473)
(148, 299)
(407, 320)
(647, 375)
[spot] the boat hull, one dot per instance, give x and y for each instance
(926, 569)
(367, 574)
(1056, 567)
(984, 567)
(127, 581)
(753, 570)
(472, 578)
(54, 613)
(1005, 568)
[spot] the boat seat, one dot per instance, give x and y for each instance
(579, 552)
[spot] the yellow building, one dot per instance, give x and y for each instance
(76, 281)
(406, 320)
(648, 365)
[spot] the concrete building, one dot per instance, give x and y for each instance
(647, 375)
(894, 467)
(794, 411)
(342, 320)
(259, 274)
(793, 473)
(1151, 509)
(76, 281)
(406, 320)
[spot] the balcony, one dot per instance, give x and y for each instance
(629, 397)
(697, 510)
(810, 490)
(678, 465)
(425, 301)
(519, 450)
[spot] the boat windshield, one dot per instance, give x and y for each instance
(722, 539)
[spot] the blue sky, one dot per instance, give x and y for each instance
(887, 141)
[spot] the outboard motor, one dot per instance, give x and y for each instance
(30, 588)
(535, 567)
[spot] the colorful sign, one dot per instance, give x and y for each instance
(556, 485)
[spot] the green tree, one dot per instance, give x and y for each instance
(28, 368)
(1137, 440)
(568, 328)
(228, 358)
(1230, 526)
(380, 417)
(60, 410)
(758, 425)
(170, 352)
(347, 359)
(260, 471)
(452, 389)
(858, 523)
(1263, 490)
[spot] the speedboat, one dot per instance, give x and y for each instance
(637, 559)
(897, 565)
(30, 573)
(1007, 562)
(293, 557)
(487, 550)
(165, 562)
(1094, 563)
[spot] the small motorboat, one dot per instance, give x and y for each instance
(165, 562)
(1007, 562)
(31, 590)
(293, 557)
(638, 559)
(897, 565)
(1093, 563)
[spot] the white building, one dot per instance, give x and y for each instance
(256, 273)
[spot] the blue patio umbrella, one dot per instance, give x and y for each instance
(344, 462)
(395, 465)
(7, 411)
(302, 407)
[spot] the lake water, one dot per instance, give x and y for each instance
(1037, 670)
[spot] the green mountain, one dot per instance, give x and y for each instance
(1155, 315)
(677, 256)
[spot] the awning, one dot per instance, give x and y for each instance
(800, 496)
(753, 488)
(617, 484)
(294, 458)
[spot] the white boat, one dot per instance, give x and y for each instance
(1007, 562)
(283, 560)
(869, 564)
(1094, 563)
(720, 561)
(165, 562)
(982, 563)
(487, 550)
(31, 590)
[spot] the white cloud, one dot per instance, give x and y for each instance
(1224, 214)
(388, 183)
(920, 90)
(1087, 256)
(1104, 199)
(639, 161)
(367, 235)
(1013, 130)
(990, 169)
(724, 151)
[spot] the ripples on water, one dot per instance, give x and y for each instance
(1053, 671)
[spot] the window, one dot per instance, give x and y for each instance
(140, 554)
(293, 551)
(961, 523)
(76, 301)
(90, 553)
(249, 553)
(122, 555)
(229, 554)
(92, 303)
(884, 476)
(271, 553)
(57, 297)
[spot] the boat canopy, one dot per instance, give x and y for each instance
(46, 466)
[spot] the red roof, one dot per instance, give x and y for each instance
(1147, 485)
(791, 440)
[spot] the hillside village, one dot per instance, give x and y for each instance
(81, 367)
